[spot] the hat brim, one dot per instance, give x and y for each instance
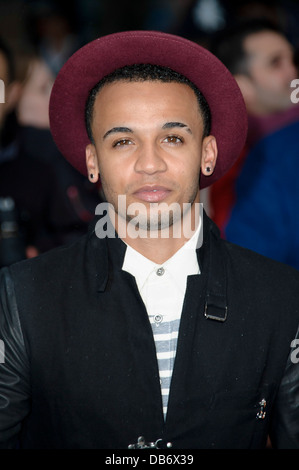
(102, 56)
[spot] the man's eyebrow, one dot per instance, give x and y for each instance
(170, 125)
(167, 125)
(114, 130)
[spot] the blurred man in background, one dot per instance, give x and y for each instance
(260, 212)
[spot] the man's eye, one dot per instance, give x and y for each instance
(276, 62)
(122, 142)
(173, 139)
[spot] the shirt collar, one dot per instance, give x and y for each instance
(183, 263)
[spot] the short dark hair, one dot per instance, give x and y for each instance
(5, 50)
(228, 44)
(142, 73)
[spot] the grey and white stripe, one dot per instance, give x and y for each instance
(165, 336)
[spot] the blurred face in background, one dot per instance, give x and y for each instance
(4, 77)
(33, 106)
(271, 70)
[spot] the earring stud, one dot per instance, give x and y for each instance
(208, 169)
(91, 176)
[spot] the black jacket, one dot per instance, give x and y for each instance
(80, 366)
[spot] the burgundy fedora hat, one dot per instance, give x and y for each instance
(102, 56)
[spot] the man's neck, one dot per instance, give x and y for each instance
(260, 126)
(159, 250)
(159, 246)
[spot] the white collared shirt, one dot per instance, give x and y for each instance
(162, 289)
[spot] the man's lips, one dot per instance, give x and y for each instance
(152, 193)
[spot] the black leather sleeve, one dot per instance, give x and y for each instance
(14, 366)
(285, 425)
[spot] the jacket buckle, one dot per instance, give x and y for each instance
(214, 312)
(141, 444)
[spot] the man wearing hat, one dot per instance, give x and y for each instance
(153, 337)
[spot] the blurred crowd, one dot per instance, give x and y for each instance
(45, 203)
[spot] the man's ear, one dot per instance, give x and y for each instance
(247, 89)
(209, 155)
(13, 94)
(92, 163)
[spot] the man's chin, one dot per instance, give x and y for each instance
(152, 218)
(152, 224)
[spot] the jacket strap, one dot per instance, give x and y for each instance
(216, 298)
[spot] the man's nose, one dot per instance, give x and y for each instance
(150, 159)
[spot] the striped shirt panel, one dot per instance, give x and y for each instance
(165, 336)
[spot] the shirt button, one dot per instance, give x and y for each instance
(158, 319)
(160, 271)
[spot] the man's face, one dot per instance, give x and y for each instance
(33, 105)
(271, 70)
(148, 143)
(4, 77)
